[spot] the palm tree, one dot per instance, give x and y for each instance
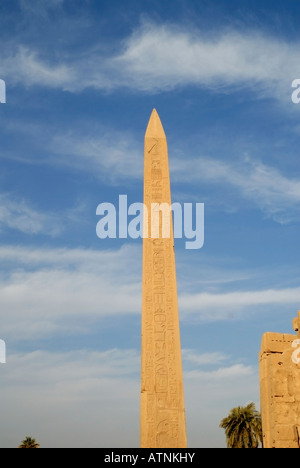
(29, 442)
(243, 427)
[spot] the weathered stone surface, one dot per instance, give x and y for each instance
(279, 365)
(276, 342)
(162, 400)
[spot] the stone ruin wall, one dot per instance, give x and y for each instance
(279, 366)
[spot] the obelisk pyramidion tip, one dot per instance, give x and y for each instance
(155, 128)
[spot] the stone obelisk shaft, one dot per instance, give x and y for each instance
(162, 399)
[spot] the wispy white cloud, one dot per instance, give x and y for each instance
(85, 283)
(224, 305)
(165, 56)
(110, 154)
(190, 356)
(275, 194)
(26, 66)
(58, 291)
(234, 371)
(18, 214)
(117, 156)
(162, 57)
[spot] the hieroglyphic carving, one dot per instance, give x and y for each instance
(162, 399)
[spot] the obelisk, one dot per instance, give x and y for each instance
(162, 417)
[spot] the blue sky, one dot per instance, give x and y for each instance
(82, 78)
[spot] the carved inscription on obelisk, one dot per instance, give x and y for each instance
(162, 399)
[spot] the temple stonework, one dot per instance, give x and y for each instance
(279, 366)
(162, 416)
